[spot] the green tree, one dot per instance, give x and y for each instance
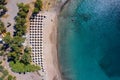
(20, 21)
(27, 50)
(17, 40)
(20, 5)
(36, 10)
(7, 39)
(26, 8)
(3, 7)
(17, 67)
(22, 14)
(23, 7)
(13, 56)
(15, 48)
(10, 77)
(26, 58)
(38, 6)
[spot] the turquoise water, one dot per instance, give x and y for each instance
(89, 40)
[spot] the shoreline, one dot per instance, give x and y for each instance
(52, 65)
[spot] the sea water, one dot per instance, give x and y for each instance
(89, 40)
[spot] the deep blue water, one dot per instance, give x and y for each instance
(89, 40)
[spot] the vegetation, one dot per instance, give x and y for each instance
(11, 77)
(3, 9)
(19, 57)
(7, 39)
(37, 6)
(20, 26)
(5, 74)
(1, 53)
(3, 2)
(2, 27)
(21, 68)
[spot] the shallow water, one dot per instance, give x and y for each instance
(89, 37)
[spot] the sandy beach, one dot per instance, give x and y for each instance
(50, 55)
(50, 46)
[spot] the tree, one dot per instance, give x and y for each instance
(26, 8)
(27, 50)
(20, 30)
(38, 6)
(18, 40)
(26, 58)
(17, 67)
(13, 56)
(22, 14)
(20, 5)
(36, 10)
(10, 77)
(20, 21)
(3, 7)
(23, 7)
(16, 48)
(7, 39)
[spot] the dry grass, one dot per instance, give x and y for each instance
(5, 16)
(47, 4)
(31, 5)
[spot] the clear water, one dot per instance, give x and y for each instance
(89, 37)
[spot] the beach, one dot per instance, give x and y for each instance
(50, 56)
(50, 46)
(50, 41)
